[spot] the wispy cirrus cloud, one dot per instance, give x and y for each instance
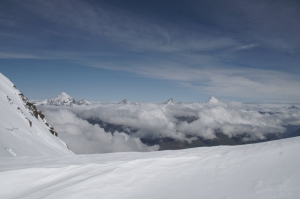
(7, 55)
(210, 47)
(122, 28)
(243, 47)
(211, 79)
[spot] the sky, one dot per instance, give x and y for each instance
(149, 51)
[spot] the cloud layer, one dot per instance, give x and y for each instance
(184, 122)
(85, 138)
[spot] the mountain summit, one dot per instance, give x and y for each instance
(124, 101)
(169, 101)
(64, 99)
(213, 100)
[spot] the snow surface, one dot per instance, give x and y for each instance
(266, 170)
(21, 133)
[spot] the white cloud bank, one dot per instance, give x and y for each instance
(151, 121)
(85, 138)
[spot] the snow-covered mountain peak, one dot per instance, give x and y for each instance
(169, 101)
(213, 100)
(124, 101)
(63, 99)
(63, 95)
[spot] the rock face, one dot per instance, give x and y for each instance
(169, 101)
(23, 129)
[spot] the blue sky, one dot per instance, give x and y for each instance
(149, 51)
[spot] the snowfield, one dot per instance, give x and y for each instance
(264, 170)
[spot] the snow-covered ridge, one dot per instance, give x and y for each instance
(23, 129)
(64, 99)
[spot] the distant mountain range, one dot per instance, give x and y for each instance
(63, 99)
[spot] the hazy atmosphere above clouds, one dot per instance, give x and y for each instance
(149, 51)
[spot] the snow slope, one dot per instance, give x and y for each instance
(266, 170)
(21, 132)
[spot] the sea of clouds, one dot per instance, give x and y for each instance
(151, 121)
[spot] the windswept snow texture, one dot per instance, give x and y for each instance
(21, 133)
(262, 171)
